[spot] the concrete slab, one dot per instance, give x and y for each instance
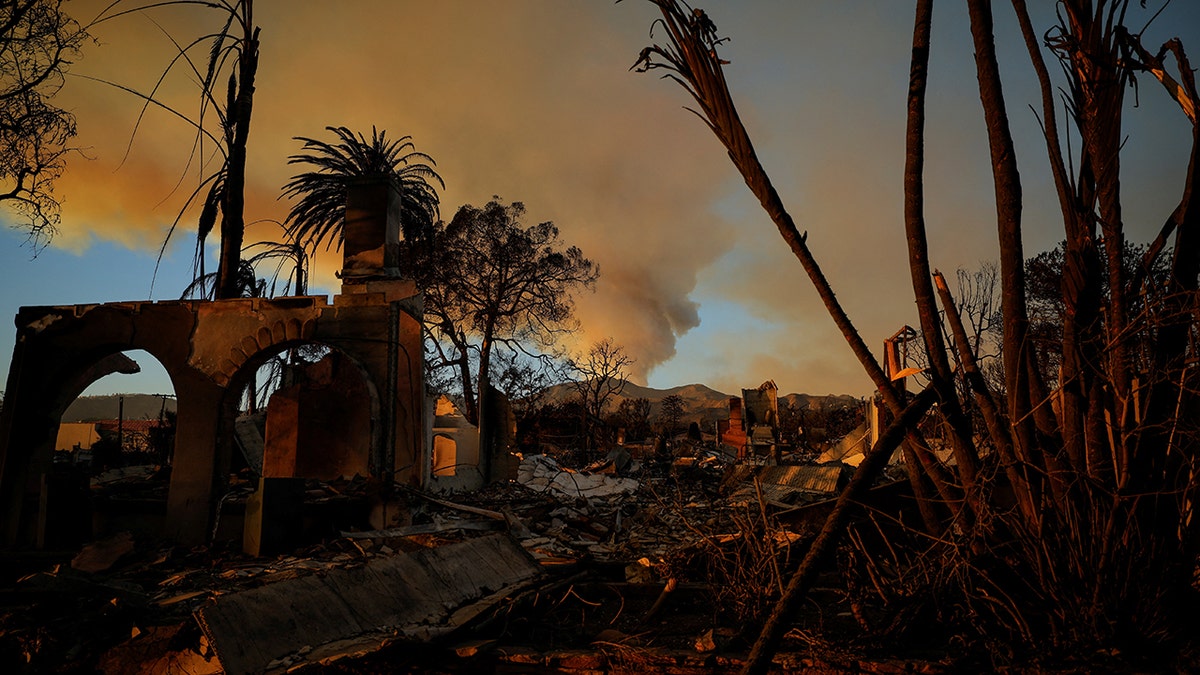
(417, 595)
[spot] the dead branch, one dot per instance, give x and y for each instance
(772, 631)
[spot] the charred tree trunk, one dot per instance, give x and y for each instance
(1041, 448)
(484, 379)
(1026, 493)
(238, 109)
(470, 400)
(822, 547)
(918, 262)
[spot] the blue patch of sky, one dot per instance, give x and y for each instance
(103, 272)
(703, 349)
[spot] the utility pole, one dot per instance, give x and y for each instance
(120, 425)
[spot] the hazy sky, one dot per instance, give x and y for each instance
(532, 101)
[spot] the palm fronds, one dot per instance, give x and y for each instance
(316, 218)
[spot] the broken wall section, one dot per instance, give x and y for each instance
(464, 456)
(321, 425)
(211, 350)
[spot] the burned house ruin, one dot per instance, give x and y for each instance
(365, 413)
(753, 424)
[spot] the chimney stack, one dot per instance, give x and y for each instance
(371, 241)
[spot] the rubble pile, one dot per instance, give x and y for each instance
(444, 534)
(639, 543)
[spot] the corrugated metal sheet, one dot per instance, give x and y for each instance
(784, 484)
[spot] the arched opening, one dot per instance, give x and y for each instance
(308, 399)
(303, 431)
(112, 452)
(130, 409)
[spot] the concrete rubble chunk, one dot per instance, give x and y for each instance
(541, 473)
(250, 439)
(102, 555)
(350, 611)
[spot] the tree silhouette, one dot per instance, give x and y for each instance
(670, 414)
(634, 413)
(599, 376)
(318, 214)
(490, 280)
(38, 39)
(527, 382)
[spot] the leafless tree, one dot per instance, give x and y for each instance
(38, 40)
(599, 376)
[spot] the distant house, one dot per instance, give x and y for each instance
(136, 435)
(753, 425)
(462, 457)
(76, 436)
(455, 445)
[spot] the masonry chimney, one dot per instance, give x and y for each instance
(371, 243)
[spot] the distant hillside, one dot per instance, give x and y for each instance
(137, 407)
(699, 401)
(806, 401)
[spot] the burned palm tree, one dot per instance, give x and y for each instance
(267, 269)
(205, 286)
(286, 263)
(231, 64)
(1099, 476)
(317, 216)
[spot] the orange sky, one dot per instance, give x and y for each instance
(531, 100)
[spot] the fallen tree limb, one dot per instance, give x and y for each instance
(823, 546)
(486, 513)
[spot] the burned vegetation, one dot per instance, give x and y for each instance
(364, 512)
(1059, 516)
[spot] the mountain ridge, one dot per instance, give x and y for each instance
(699, 399)
(108, 406)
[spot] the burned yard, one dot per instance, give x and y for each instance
(387, 438)
(353, 517)
(665, 566)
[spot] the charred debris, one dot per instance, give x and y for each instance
(357, 525)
